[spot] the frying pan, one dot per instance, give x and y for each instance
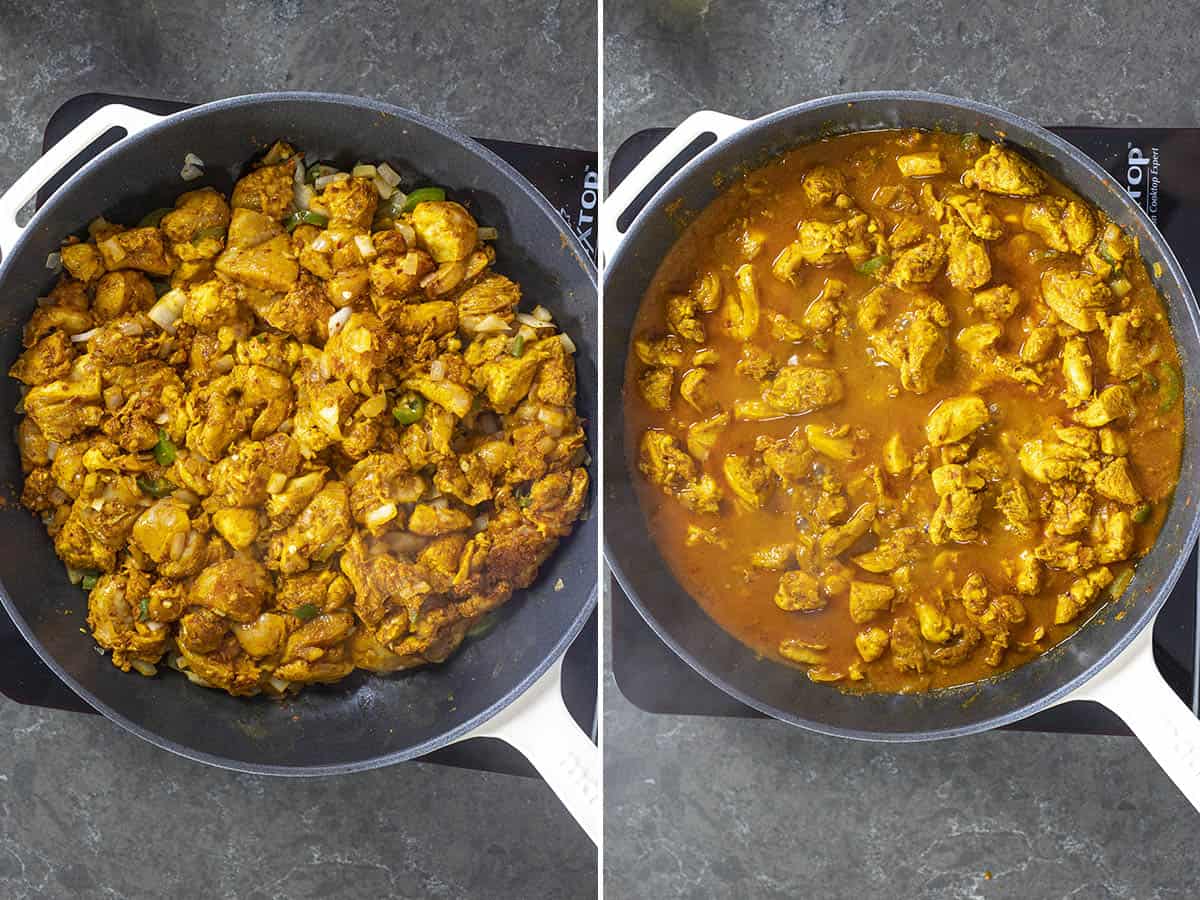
(505, 684)
(1109, 660)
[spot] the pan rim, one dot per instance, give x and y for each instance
(1191, 315)
(571, 243)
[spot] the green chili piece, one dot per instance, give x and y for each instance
(409, 409)
(164, 450)
(423, 195)
(872, 265)
(89, 582)
(155, 487)
(152, 218)
(1142, 513)
(1117, 588)
(144, 609)
(482, 625)
(969, 141)
(305, 611)
(517, 348)
(216, 231)
(305, 217)
(1171, 385)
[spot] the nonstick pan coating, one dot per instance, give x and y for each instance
(778, 690)
(364, 721)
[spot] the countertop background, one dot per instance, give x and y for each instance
(713, 808)
(88, 811)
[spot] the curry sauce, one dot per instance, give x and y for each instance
(905, 410)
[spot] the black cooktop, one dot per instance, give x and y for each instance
(569, 179)
(1158, 166)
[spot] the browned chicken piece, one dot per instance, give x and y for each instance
(800, 389)
(1065, 226)
(1115, 483)
(665, 464)
(998, 302)
(350, 202)
(798, 592)
(1082, 592)
(907, 646)
(665, 351)
(837, 540)
(956, 418)
(1126, 350)
(869, 599)
(968, 266)
(1004, 171)
(258, 254)
(267, 189)
(920, 165)
(1076, 298)
(822, 184)
(919, 265)
(960, 502)
(1112, 403)
(750, 480)
(974, 213)
(137, 248)
(121, 293)
(1077, 372)
(82, 261)
(445, 229)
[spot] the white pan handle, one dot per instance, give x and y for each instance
(538, 725)
(1132, 687)
(698, 123)
(115, 115)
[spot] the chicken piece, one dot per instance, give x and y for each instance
(799, 651)
(955, 418)
(1065, 226)
(788, 457)
(121, 293)
(681, 313)
(1112, 403)
(801, 389)
(749, 480)
(237, 526)
(318, 532)
(1047, 461)
(1076, 298)
(871, 643)
(263, 637)
(82, 261)
(1037, 346)
(267, 189)
(445, 229)
(432, 521)
(46, 319)
(976, 216)
(975, 339)
(872, 308)
(957, 515)
(916, 345)
(302, 312)
(907, 232)
(908, 649)
(137, 248)
(1069, 556)
(998, 302)
(394, 280)
(797, 592)
(234, 588)
(889, 554)
(1115, 543)
(350, 202)
(1077, 372)
(196, 212)
(1082, 592)
(1013, 502)
(822, 183)
(741, 310)
(775, 558)
(823, 314)
(258, 253)
(756, 363)
(665, 351)
(47, 360)
(918, 265)
(1027, 574)
(212, 304)
(936, 627)
(664, 464)
(162, 529)
(1004, 171)
(64, 408)
(694, 388)
(378, 484)
(702, 435)
(317, 651)
(968, 265)
(506, 381)
(1125, 351)
(868, 600)
(493, 295)
(113, 617)
(835, 442)
(1116, 483)
(1113, 443)
(920, 165)
(835, 541)
(1070, 511)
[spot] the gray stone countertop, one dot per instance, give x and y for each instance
(88, 811)
(718, 808)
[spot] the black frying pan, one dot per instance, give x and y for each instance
(365, 721)
(1107, 660)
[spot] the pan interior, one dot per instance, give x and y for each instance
(365, 720)
(778, 690)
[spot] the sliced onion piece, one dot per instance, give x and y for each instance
(366, 246)
(487, 233)
(406, 231)
(85, 335)
(540, 312)
(54, 261)
(437, 370)
(389, 175)
(191, 173)
(321, 183)
(488, 323)
(302, 195)
(192, 159)
(320, 243)
(568, 344)
(223, 364)
(363, 170)
(382, 188)
(51, 450)
(380, 515)
(130, 329)
(533, 321)
(338, 319)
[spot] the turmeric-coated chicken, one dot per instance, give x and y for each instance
(299, 430)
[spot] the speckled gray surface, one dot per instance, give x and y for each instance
(718, 808)
(87, 811)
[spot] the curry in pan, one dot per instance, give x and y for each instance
(905, 410)
(296, 431)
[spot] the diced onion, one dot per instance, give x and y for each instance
(285, 427)
(440, 503)
(480, 523)
(130, 329)
(162, 418)
(366, 246)
(166, 312)
(409, 264)
(156, 626)
(330, 414)
(338, 319)
(321, 183)
(437, 370)
(192, 159)
(279, 684)
(276, 483)
(568, 344)
(793, 360)
(545, 444)
(540, 312)
(51, 450)
(74, 575)
(363, 170)
(532, 321)
(380, 515)
(302, 196)
(144, 667)
(490, 322)
(406, 231)
(54, 261)
(321, 244)
(193, 677)
(223, 364)
(183, 495)
(388, 174)
(113, 397)
(374, 406)
(405, 542)
(84, 335)
(487, 233)
(178, 544)
(190, 173)
(382, 188)
(114, 249)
